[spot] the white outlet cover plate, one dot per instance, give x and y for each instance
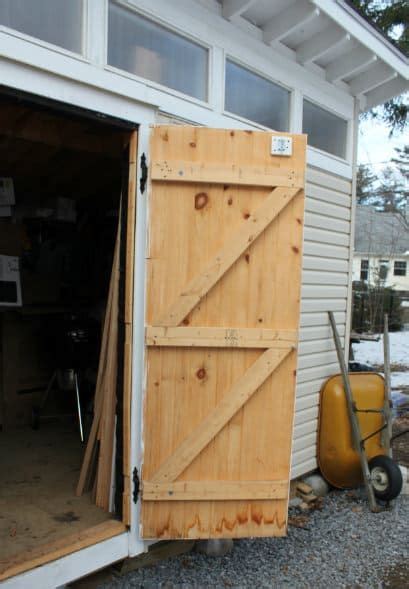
(281, 145)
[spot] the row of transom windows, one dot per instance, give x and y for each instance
(151, 51)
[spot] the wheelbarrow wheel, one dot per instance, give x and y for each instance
(386, 477)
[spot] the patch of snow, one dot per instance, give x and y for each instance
(399, 399)
(399, 379)
(372, 352)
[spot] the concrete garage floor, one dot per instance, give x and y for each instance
(38, 474)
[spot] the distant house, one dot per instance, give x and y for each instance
(381, 248)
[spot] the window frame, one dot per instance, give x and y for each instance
(257, 72)
(349, 134)
(155, 19)
(405, 269)
(364, 270)
(83, 56)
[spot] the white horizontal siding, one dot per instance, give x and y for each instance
(324, 288)
(319, 332)
(311, 277)
(321, 222)
(310, 291)
(326, 236)
(323, 263)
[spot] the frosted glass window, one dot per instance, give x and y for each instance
(144, 48)
(256, 98)
(56, 21)
(325, 130)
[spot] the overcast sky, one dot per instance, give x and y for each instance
(374, 144)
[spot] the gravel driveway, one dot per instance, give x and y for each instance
(341, 545)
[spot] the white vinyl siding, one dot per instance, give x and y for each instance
(324, 288)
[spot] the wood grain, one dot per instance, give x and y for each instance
(219, 337)
(253, 226)
(236, 397)
(183, 171)
(54, 550)
(214, 490)
(190, 223)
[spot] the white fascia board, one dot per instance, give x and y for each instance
(233, 8)
(357, 27)
(82, 91)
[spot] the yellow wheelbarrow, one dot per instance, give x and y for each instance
(355, 425)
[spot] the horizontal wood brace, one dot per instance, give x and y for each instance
(220, 337)
(214, 490)
(270, 176)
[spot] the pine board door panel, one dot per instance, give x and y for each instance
(222, 316)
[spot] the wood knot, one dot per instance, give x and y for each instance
(226, 186)
(230, 201)
(299, 221)
(201, 200)
(246, 215)
(232, 133)
(201, 373)
(247, 258)
(165, 137)
(295, 249)
(186, 321)
(192, 144)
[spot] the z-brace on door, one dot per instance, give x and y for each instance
(223, 305)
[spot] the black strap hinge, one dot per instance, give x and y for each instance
(144, 174)
(136, 485)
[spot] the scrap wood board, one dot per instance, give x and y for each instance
(222, 314)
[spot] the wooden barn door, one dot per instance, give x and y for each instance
(223, 299)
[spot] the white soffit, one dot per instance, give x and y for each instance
(329, 34)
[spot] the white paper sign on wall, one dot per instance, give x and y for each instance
(281, 145)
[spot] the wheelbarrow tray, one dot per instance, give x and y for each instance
(338, 460)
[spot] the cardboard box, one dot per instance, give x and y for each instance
(10, 284)
(6, 192)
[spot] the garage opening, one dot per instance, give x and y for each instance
(65, 295)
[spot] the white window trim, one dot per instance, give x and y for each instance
(83, 56)
(243, 64)
(155, 19)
